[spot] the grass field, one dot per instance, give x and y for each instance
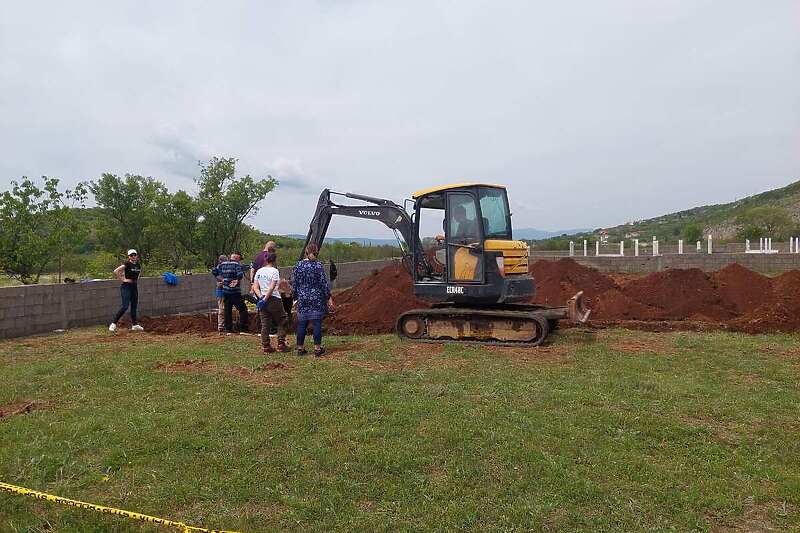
(605, 430)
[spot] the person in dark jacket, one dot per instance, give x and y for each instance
(128, 273)
(313, 296)
(231, 273)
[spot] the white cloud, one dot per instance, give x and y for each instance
(591, 113)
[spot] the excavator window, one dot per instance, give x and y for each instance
(494, 208)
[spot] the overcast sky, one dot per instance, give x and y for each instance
(593, 113)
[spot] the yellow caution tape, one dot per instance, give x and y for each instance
(106, 510)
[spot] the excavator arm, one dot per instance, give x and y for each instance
(385, 211)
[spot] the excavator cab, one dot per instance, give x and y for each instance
(472, 258)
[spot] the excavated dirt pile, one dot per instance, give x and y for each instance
(732, 298)
(373, 305)
(199, 323)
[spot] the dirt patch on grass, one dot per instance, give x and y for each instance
(660, 326)
(549, 353)
(757, 517)
(726, 432)
(644, 344)
(20, 408)
(407, 356)
(269, 373)
(340, 350)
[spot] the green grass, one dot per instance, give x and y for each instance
(610, 430)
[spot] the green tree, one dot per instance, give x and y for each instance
(131, 205)
(764, 221)
(176, 230)
(692, 233)
(38, 227)
(224, 202)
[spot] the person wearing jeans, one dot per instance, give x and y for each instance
(313, 295)
(231, 272)
(128, 273)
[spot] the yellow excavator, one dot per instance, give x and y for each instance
(472, 270)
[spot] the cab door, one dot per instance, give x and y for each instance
(464, 238)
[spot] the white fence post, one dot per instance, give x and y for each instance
(680, 246)
(585, 249)
(698, 246)
(769, 244)
(621, 247)
(571, 248)
(747, 245)
(636, 247)
(710, 241)
(596, 248)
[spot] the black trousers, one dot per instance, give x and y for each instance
(235, 300)
(130, 298)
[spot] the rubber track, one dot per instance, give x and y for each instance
(515, 311)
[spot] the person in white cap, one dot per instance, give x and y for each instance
(128, 273)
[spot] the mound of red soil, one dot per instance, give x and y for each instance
(733, 298)
(742, 288)
(780, 312)
(170, 325)
(615, 305)
(373, 305)
(198, 323)
(558, 281)
(680, 294)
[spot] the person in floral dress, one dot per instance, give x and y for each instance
(313, 295)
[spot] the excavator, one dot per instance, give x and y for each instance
(472, 271)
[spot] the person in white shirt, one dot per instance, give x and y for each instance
(270, 306)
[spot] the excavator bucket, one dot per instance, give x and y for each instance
(576, 309)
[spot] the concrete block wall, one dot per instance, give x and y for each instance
(44, 308)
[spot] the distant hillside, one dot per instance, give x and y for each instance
(717, 219)
(533, 234)
(363, 241)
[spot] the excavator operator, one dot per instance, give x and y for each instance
(465, 231)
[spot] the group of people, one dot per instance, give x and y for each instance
(274, 297)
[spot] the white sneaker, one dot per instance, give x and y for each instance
(112, 328)
(137, 327)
